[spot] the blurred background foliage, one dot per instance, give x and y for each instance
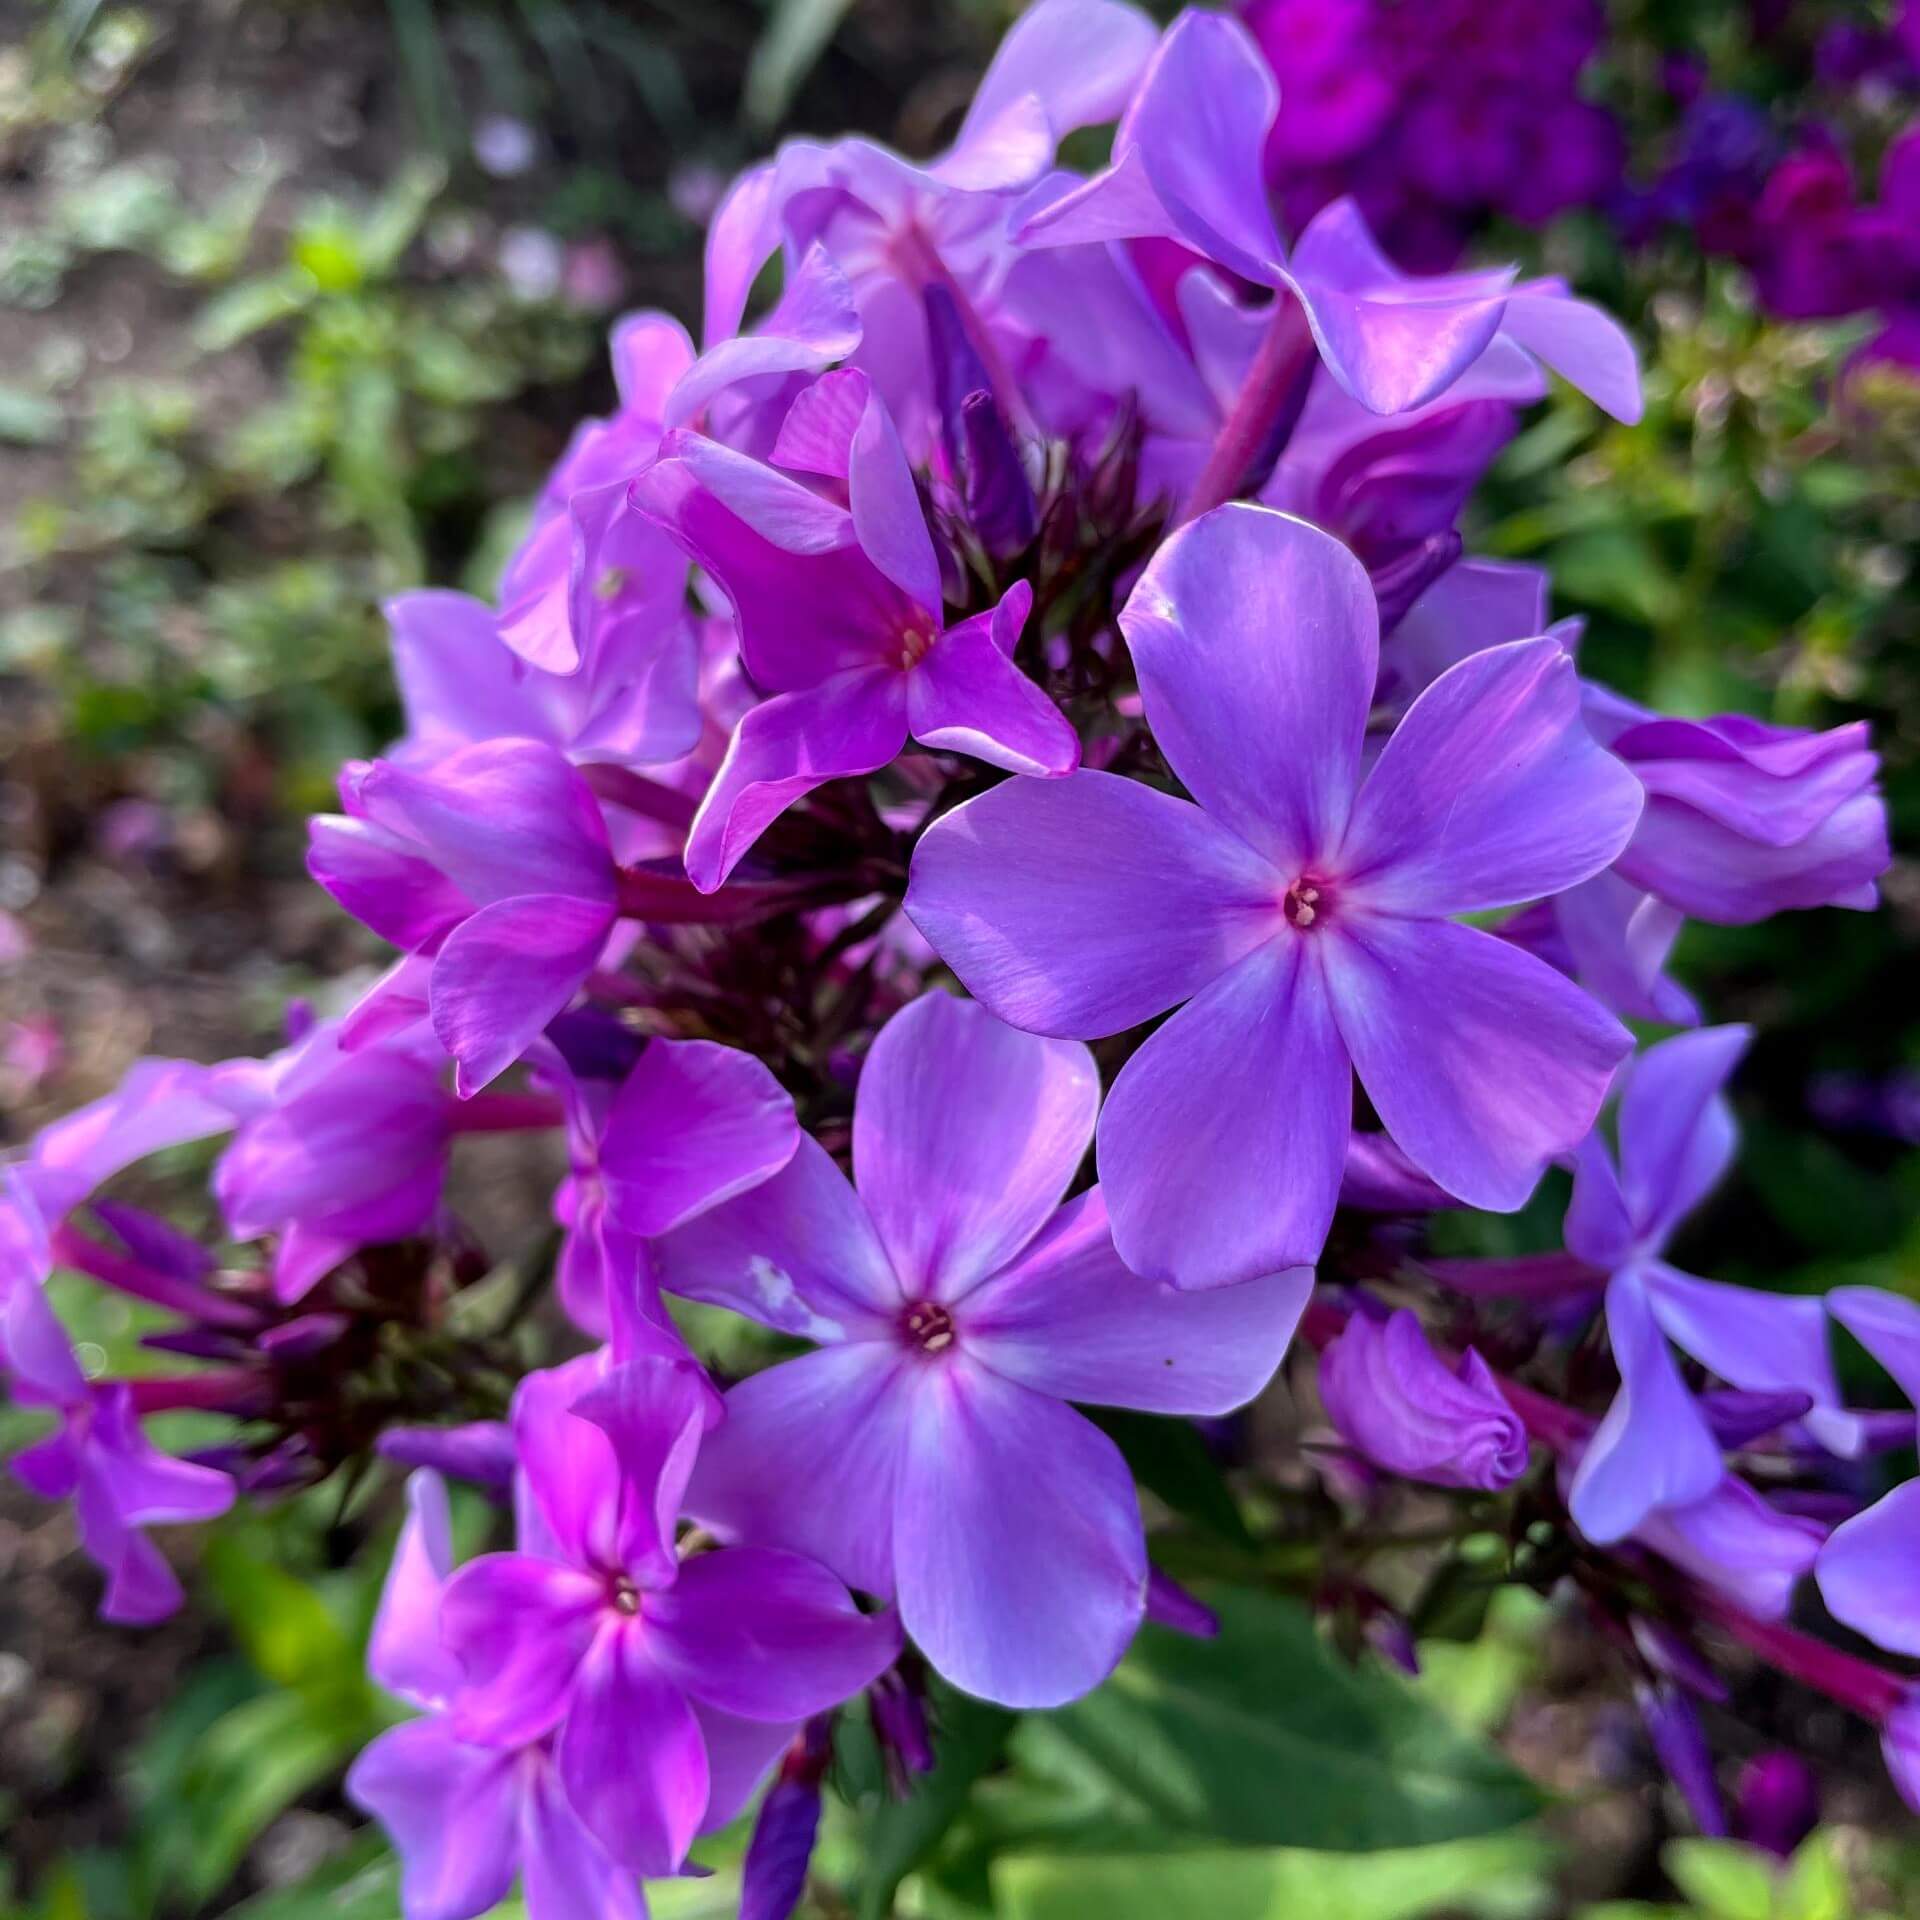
(298, 299)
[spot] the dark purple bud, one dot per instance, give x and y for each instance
(1777, 1802)
(1680, 1745)
(958, 371)
(195, 1343)
(998, 494)
(900, 1726)
(303, 1337)
(774, 1875)
(1171, 1605)
(1400, 581)
(481, 1451)
(1737, 1417)
(1389, 1635)
(595, 1045)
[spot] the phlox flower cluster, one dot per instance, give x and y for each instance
(995, 825)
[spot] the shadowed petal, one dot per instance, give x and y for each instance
(1021, 1560)
(1491, 791)
(965, 1135)
(1086, 905)
(1256, 641)
(1069, 1320)
(1224, 1138)
(1483, 1063)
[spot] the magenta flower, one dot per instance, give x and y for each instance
(597, 1632)
(841, 620)
(927, 1451)
(1395, 1400)
(1656, 1449)
(1302, 912)
(1392, 340)
(465, 1819)
(495, 860)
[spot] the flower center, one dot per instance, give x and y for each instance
(1306, 904)
(928, 1325)
(624, 1595)
(914, 642)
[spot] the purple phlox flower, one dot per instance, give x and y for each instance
(97, 1456)
(1744, 819)
(927, 1451)
(894, 228)
(1657, 1449)
(1776, 1802)
(495, 860)
(1616, 941)
(593, 594)
(1301, 911)
(671, 1128)
(1405, 1409)
(1869, 1571)
(1393, 341)
(841, 621)
(333, 1151)
(465, 1818)
(773, 1876)
(661, 1680)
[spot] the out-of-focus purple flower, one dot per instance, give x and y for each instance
(841, 619)
(1392, 1397)
(480, 1451)
(1435, 117)
(773, 1876)
(1900, 1747)
(1391, 341)
(1301, 913)
(1656, 1449)
(494, 859)
(638, 1662)
(927, 1450)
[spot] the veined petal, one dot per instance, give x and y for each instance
(519, 1628)
(1491, 791)
(1069, 1320)
(1084, 906)
(1223, 1141)
(966, 1133)
(1021, 1558)
(1257, 644)
(1482, 1062)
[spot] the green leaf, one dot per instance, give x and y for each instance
(1729, 1880)
(1494, 1877)
(1815, 1886)
(250, 307)
(1263, 1737)
(361, 1883)
(969, 1738)
(796, 36)
(1171, 1461)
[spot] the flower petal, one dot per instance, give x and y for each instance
(653, 1411)
(565, 1873)
(807, 1458)
(766, 1635)
(505, 972)
(1069, 1320)
(519, 1628)
(1084, 906)
(966, 696)
(449, 1810)
(1491, 791)
(854, 723)
(693, 1125)
(1677, 1135)
(1653, 1450)
(1583, 344)
(1257, 642)
(405, 1653)
(631, 1757)
(1888, 1326)
(1482, 1062)
(1224, 1138)
(1869, 1571)
(1021, 1560)
(797, 1252)
(965, 1135)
